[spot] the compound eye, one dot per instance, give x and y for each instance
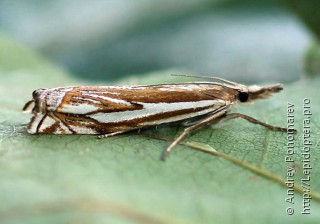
(243, 97)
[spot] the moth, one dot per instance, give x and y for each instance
(111, 110)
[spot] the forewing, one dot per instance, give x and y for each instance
(101, 110)
(100, 99)
(47, 124)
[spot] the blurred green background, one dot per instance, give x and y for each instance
(106, 40)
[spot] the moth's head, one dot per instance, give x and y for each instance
(252, 93)
(36, 105)
(244, 93)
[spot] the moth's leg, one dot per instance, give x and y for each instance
(194, 121)
(111, 134)
(252, 120)
(190, 129)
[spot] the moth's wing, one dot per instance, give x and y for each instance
(47, 124)
(60, 123)
(107, 99)
(101, 110)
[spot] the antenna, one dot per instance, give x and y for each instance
(206, 77)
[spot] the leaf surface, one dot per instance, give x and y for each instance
(81, 179)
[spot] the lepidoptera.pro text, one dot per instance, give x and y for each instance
(110, 110)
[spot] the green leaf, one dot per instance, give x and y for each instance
(81, 179)
(312, 60)
(308, 13)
